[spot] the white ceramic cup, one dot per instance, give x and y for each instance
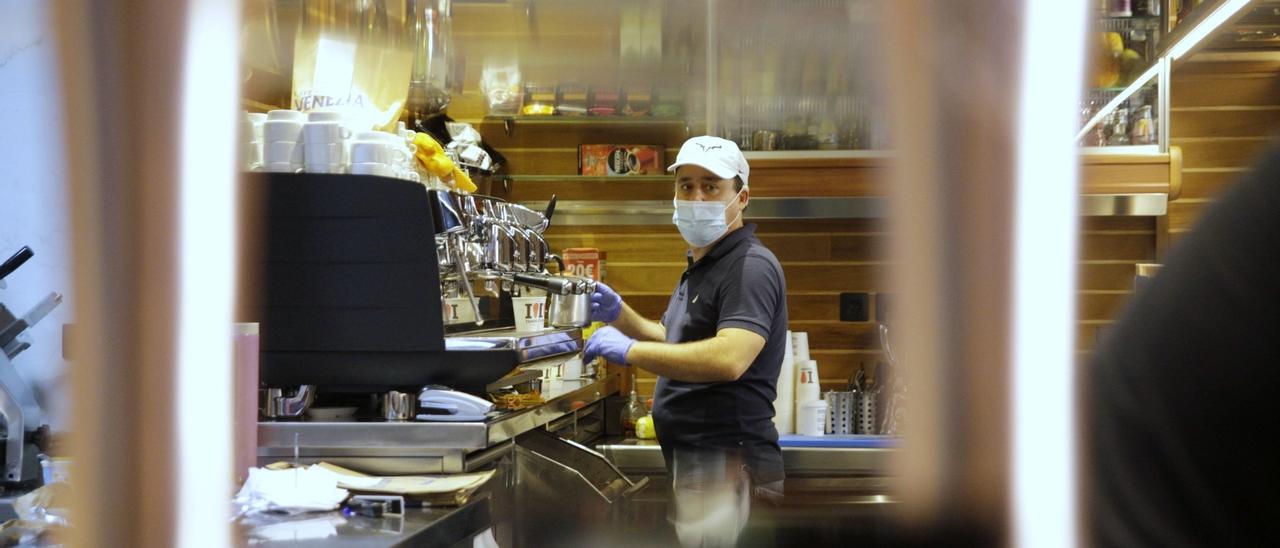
(281, 167)
(530, 313)
(324, 168)
(323, 153)
(244, 130)
(381, 170)
(373, 151)
(256, 119)
(282, 152)
(281, 130)
(287, 115)
(251, 153)
(372, 135)
(324, 132)
(324, 116)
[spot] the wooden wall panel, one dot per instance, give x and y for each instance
(1225, 121)
(1255, 90)
(1118, 178)
(1224, 114)
(847, 276)
(1220, 152)
(1201, 183)
(821, 258)
(665, 245)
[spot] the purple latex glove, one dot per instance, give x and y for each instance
(610, 343)
(606, 304)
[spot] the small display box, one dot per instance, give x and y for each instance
(609, 160)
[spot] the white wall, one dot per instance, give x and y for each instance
(33, 198)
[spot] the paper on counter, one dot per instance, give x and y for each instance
(437, 488)
(292, 491)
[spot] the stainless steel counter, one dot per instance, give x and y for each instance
(816, 476)
(645, 457)
(416, 527)
(422, 447)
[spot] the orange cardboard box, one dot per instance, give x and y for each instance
(610, 160)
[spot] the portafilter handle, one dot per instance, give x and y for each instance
(553, 284)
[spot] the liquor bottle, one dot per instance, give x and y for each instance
(632, 411)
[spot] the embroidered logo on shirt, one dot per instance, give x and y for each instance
(695, 299)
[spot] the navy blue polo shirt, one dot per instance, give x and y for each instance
(740, 284)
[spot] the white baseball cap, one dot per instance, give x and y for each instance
(719, 156)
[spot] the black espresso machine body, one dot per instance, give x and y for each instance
(342, 273)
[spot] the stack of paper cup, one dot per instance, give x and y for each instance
(281, 132)
(800, 345)
(324, 143)
(785, 403)
(807, 388)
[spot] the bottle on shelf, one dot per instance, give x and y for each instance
(1119, 135)
(644, 425)
(1144, 127)
(632, 411)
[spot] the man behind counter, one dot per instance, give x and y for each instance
(718, 348)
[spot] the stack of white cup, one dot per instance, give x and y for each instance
(251, 140)
(324, 143)
(383, 154)
(281, 132)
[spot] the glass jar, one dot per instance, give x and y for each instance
(1144, 127)
(632, 411)
(1119, 135)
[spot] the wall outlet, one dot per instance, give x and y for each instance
(854, 307)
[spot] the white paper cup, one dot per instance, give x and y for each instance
(800, 345)
(289, 115)
(324, 116)
(324, 132)
(323, 153)
(282, 167)
(282, 152)
(458, 310)
(278, 131)
(812, 419)
(530, 313)
(381, 170)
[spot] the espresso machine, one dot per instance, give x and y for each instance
(25, 435)
(376, 289)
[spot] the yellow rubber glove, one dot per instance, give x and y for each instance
(462, 181)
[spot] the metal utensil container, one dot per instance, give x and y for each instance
(841, 412)
(866, 412)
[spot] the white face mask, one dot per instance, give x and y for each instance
(702, 223)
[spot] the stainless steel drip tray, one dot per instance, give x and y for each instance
(420, 447)
(529, 346)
